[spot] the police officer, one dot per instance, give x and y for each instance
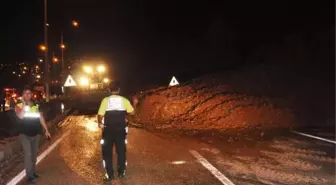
(30, 129)
(113, 110)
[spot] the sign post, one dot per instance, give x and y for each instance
(69, 82)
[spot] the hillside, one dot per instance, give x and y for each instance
(262, 97)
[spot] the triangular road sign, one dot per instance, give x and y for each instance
(173, 82)
(69, 82)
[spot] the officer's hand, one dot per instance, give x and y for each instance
(23, 102)
(135, 101)
(47, 134)
(101, 125)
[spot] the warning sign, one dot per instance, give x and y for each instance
(173, 82)
(69, 82)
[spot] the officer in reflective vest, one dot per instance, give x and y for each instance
(30, 129)
(113, 110)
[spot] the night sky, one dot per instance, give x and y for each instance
(150, 39)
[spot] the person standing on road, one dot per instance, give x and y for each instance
(30, 129)
(113, 110)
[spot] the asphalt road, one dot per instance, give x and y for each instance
(163, 159)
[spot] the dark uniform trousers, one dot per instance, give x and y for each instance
(112, 137)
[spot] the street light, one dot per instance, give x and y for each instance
(84, 81)
(55, 60)
(62, 46)
(75, 23)
(101, 68)
(43, 48)
(62, 52)
(106, 80)
(87, 69)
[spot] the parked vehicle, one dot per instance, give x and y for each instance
(9, 98)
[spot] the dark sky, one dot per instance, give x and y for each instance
(140, 36)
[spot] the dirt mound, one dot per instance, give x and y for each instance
(274, 84)
(210, 104)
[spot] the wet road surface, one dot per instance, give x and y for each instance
(161, 159)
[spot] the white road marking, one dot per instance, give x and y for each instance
(22, 174)
(224, 180)
(314, 137)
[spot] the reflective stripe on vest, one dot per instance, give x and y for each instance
(26, 108)
(29, 114)
(115, 104)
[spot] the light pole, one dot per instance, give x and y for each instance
(100, 69)
(46, 63)
(62, 46)
(62, 53)
(54, 61)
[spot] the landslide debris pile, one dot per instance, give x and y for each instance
(211, 103)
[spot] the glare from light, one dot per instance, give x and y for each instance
(41, 60)
(84, 81)
(55, 59)
(178, 162)
(26, 108)
(88, 69)
(106, 80)
(101, 68)
(13, 72)
(92, 126)
(75, 23)
(43, 47)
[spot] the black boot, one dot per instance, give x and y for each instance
(35, 175)
(121, 174)
(31, 180)
(107, 178)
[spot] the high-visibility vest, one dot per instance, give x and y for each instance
(31, 111)
(30, 124)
